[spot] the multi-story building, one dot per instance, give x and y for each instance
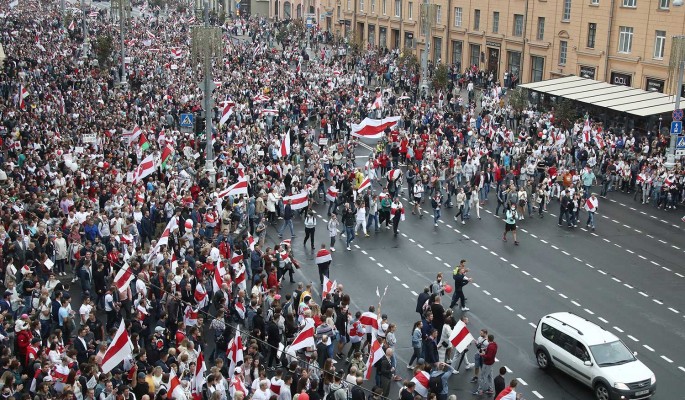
(624, 42)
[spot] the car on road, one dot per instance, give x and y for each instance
(593, 356)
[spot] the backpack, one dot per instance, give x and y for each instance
(435, 384)
(331, 394)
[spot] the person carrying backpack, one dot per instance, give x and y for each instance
(439, 377)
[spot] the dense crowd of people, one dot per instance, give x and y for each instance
(106, 200)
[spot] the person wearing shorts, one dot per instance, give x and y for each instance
(510, 217)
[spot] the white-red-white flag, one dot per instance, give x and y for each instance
(366, 183)
(422, 383)
(298, 201)
(146, 168)
(331, 193)
(373, 128)
(123, 278)
(370, 321)
(461, 338)
(226, 111)
(305, 338)
(328, 286)
(375, 355)
(199, 376)
(235, 351)
(284, 150)
(119, 350)
(323, 256)
(175, 388)
(235, 189)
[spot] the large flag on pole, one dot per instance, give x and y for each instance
(226, 112)
(375, 355)
(284, 150)
(235, 351)
(123, 278)
(461, 337)
(198, 377)
(119, 350)
(373, 128)
(146, 168)
(305, 338)
(235, 189)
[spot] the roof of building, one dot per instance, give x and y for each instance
(624, 99)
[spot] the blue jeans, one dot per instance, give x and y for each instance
(349, 235)
(289, 223)
(591, 219)
(372, 218)
(467, 208)
(436, 215)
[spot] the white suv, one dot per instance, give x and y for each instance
(592, 355)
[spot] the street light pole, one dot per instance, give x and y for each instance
(207, 45)
(427, 18)
(670, 151)
(123, 12)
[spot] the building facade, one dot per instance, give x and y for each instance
(624, 42)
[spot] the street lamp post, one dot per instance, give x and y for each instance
(676, 66)
(124, 12)
(207, 45)
(427, 20)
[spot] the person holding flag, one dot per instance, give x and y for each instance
(591, 205)
(323, 262)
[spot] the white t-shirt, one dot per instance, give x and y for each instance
(85, 310)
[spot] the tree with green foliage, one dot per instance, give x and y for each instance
(104, 46)
(518, 99)
(565, 113)
(408, 60)
(441, 77)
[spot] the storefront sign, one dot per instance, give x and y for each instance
(621, 79)
(587, 72)
(493, 44)
(655, 85)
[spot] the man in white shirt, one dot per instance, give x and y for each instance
(84, 310)
(263, 393)
(141, 287)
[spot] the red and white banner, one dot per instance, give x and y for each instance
(298, 201)
(461, 338)
(331, 193)
(366, 183)
(591, 204)
(269, 111)
(119, 350)
(328, 286)
(199, 377)
(375, 355)
(176, 53)
(175, 388)
(23, 94)
(586, 130)
(123, 278)
(235, 189)
(240, 276)
(284, 150)
(305, 338)
(394, 174)
(226, 112)
(422, 383)
(218, 279)
(369, 320)
(131, 136)
(373, 128)
(146, 168)
(323, 256)
(260, 98)
(235, 351)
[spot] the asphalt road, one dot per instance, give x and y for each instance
(626, 277)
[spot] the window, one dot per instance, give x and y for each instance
(476, 20)
(475, 54)
(438, 15)
(338, 12)
(437, 49)
(495, 22)
(518, 25)
(384, 6)
(349, 5)
(625, 39)
(537, 68)
(373, 6)
(591, 33)
(659, 45)
(398, 8)
(514, 62)
(410, 10)
(663, 4)
(629, 3)
(458, 12)
(563, 49)
(541, 29)
(456, 53)
(594, 2)
(566, 16)
(361, 5)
